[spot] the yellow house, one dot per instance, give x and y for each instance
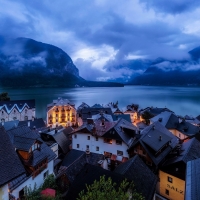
(171, 187)
(61, 112)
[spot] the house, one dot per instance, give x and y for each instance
(73, 163)
(112, 139)
(179, 127)
(192, 180)
(21, 110)
(9, 125)
(132, 112)
(143, 178)
(152, 112)
(118, 112)
(59, 137)
(36, 157)
(35, 123)
(10, 164)
(61, 112)
(172, 174)
(88, 174)
(154, 144)
(89, 112)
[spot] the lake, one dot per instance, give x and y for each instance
(182, 100)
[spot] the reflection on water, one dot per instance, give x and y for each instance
(182, 100)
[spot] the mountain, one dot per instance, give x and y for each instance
(27, 63)
(172, 72)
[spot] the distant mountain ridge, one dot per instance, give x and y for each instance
(25, 62)
(172, 72)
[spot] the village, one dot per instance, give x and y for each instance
(77, 144)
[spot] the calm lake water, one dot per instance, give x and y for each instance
(182, 100)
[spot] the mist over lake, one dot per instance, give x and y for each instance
(181, 100)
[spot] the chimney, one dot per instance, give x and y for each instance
(160, 138)
(90, 121)
(29, 123)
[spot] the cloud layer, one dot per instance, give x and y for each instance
(103, 36)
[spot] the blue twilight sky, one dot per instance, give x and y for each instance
(101, 34)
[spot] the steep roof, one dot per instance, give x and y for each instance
(143, 178)
(75, 160)
(103, 116)
(88, 112)
(87, 176)
(167, 119)
(123, 116)
(22, 138)
(9, 125)
(8, 106)
(151, 142)
(154, 111)
(189, 151)
(10, 164)
(36, 123)
(187, 128)
(96, 106)
(60, 102)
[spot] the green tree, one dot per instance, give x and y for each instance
(146, 116)
(4, 97)
(108, 190)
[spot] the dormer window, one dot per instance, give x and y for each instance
(35, 146)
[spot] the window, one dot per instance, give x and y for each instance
(119, 153)
(170, 179)
(46, 174)
(56, 115)
(56, 120)
(14, 118)
(118, 142)
(25, 118)
(87, 146)
(107, 140)
(97, 138)
(25, 110)
(2, 112)
(75, 136)
(88, 137)
(77, 146)
(97, 148)
(144, 152)
(166, 192)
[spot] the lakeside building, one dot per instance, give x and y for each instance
(36, 157)
(179, 127)
(21, 110)
(172, 174)
(153, 145)
(112, 139)
(61, 112)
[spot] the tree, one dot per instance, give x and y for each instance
(146, 116)
(108, 190)
(4, 97)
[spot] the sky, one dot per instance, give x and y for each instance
(101, 35)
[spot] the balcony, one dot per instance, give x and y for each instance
(62, 110)
(39, 170)
(56, 110)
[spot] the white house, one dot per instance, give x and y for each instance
(36, 157)
(111, 139)
(21, 110)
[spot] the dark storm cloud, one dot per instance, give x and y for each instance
(75, 25)
(172, 6)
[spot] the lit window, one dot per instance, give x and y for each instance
(88, 137)
(97, 148)
(170, 179)
(107, 140)
(77, 146)
(118, 142)
(119, 153)
(166, 192)
(75, 136)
